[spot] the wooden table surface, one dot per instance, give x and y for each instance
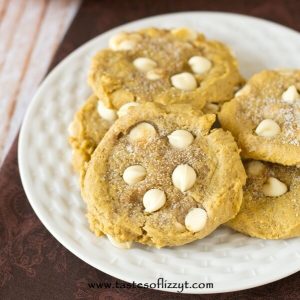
(30, 32)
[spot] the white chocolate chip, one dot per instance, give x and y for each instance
(267, 128)
(121, 42)
(243, 91)
(199, 64)
(107, 114)
(274, 187)
(180, 139)
(127, 45)
(255, 168)
(179, 227)
(232, 51)
(285, 71)
(144, 64)
(185, 33)
(184, 177)
(154, 74)
(115, 40)
(153, 200)
(124, 245)
(141, 132)
(123, 110)
(291, 95)
(134, 174)
(184, 81)
(72, 129)
(211, 108)
(196, 219)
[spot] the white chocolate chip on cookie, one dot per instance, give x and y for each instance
(211, 108)
(267, 128)
(154, 74)
(184, 177)
(141, 132)
(180, 139)
(179, 227)
(274, 187)
(134, 174)
(184, 33)
(72, 129)
(255, 168)
(184, 81)
(144, 64)
(196, 219)
(107, 114)
(153, 200)
(243, 91)
(123, 110)
(127, 45)
(121, 42)
(125, 245)
(290, 95)
(199, 64)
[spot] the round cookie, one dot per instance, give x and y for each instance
(164, 66)
(92, 121)
(85, 132)
(271, 206)
(264, 117)
(160, 177)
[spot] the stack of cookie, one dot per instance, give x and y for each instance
(155, 169)
(264, 117)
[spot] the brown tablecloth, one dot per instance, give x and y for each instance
(33, 265)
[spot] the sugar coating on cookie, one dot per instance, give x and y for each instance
(141, 186)
(264, 117)
(164, 66)
(270, 209)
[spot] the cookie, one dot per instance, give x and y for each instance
(88, 127)
(161, 177)
(158, 65)
(264, 117)
(271, 207)
(85, 132)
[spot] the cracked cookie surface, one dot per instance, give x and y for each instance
(270, 208)
(160, 177)
(164, 66)
(264, 117)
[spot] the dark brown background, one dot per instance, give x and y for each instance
(33, 265)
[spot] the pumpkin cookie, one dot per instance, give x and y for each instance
(264, 117)
(164, 66)
(85, 132)
(88, 127)
(160, 177)
(271, 206)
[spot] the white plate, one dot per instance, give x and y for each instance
(229, 260)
